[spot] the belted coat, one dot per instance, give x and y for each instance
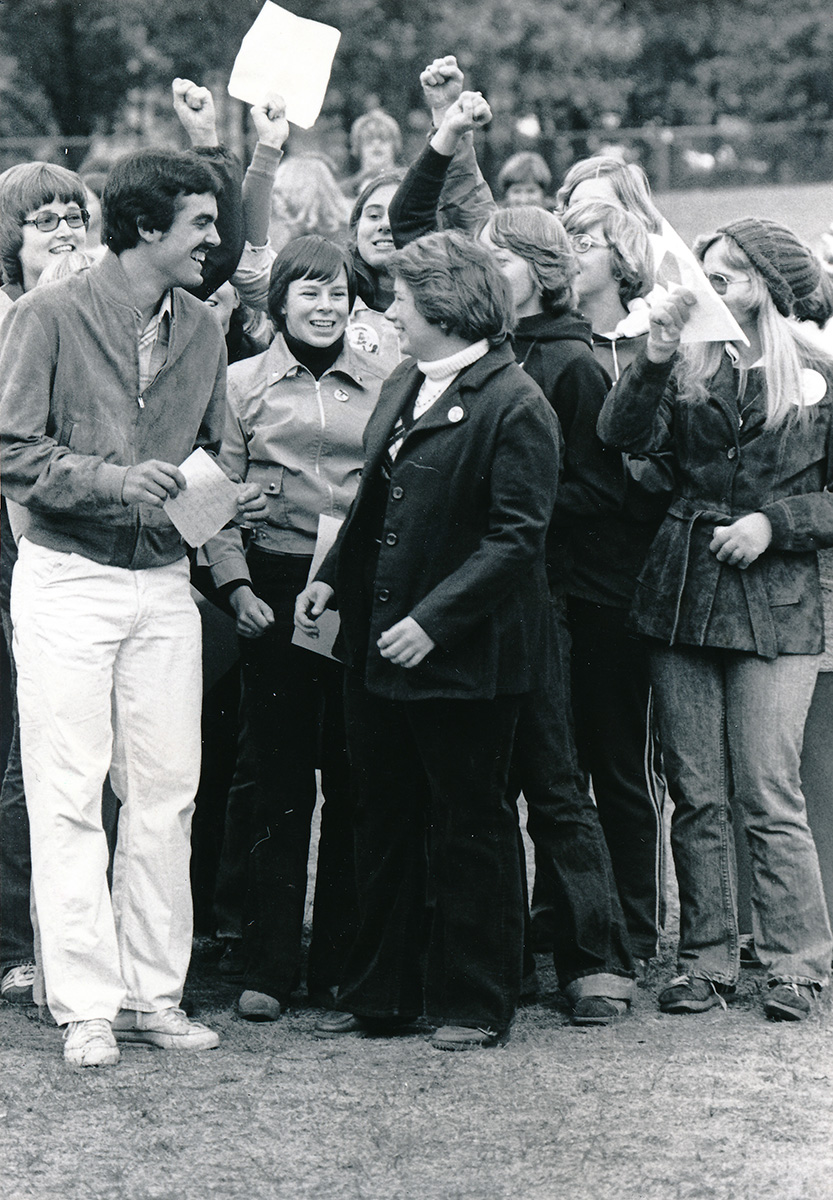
(456, 539)
(728, 463)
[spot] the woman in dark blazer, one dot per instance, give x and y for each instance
(438, 575)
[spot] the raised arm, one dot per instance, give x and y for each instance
(194, 106)
(430, 194)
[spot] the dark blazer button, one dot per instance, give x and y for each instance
(391, 539)
(383, 594)
(397, 492)
(732, 452)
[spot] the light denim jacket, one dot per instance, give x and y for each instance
(301, 440)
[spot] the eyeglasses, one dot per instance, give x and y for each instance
(582, 242)
(720, 283)
(48, 222)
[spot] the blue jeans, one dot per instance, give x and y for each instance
(732, 727)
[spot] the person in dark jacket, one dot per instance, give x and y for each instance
(439, 577)
(730, 596)
(553, 344)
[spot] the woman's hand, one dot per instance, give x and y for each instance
(406, 644)
(252, 506)
(269, 120)
(668, 316)
(195, 108)
(310, 604)
(442, 83)
(469, 111)
(254, 616)
(740, 543)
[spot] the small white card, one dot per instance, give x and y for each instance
(208, 502)
(290, 55)
(328, 622)
(676, 266)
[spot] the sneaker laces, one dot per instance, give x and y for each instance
(97, 1028)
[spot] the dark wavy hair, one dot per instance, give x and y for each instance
(370, 282)
(143, 190)
(307, 257)
(23, 189)
(457, 285)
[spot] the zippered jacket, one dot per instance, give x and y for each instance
(73, 420)
(301, 440)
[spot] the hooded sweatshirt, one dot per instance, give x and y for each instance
(595, 548)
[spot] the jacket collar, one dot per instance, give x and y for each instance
(282, 364)
(452, 407)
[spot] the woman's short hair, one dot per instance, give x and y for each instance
(632, 260)
(376, 123)
(539, 238)
(23, 189)
(457, 285)
(628, 181)
(144, 190)
(524, 167)
(307, 257)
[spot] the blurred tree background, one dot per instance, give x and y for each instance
(562, 76)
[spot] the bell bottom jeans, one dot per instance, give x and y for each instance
(434, 821)
(732, 727)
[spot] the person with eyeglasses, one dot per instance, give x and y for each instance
(42, 219)
(730, 600)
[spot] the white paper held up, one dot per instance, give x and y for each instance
(208, 502)
(676, 266)
(289, 55)
(328, 622)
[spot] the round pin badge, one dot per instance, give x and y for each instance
(455, 414)
(340, 394)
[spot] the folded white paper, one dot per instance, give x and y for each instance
(328, 622)
(208, 502)
(676, 266)
(290, 55)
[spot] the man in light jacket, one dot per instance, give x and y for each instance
(110, 378)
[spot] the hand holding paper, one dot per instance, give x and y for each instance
(286, 54)
(709, 319)
(207, 503)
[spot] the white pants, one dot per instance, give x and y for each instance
(109, 679)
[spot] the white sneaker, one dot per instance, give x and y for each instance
(16, 984)
(168, 1028)
(90, 1044)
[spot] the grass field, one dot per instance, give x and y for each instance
(723, 1106)
(807, 209)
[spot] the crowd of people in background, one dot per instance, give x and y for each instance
(578, 560)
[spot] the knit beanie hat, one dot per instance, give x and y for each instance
(790, 269)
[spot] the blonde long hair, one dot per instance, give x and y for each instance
(786, 350)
